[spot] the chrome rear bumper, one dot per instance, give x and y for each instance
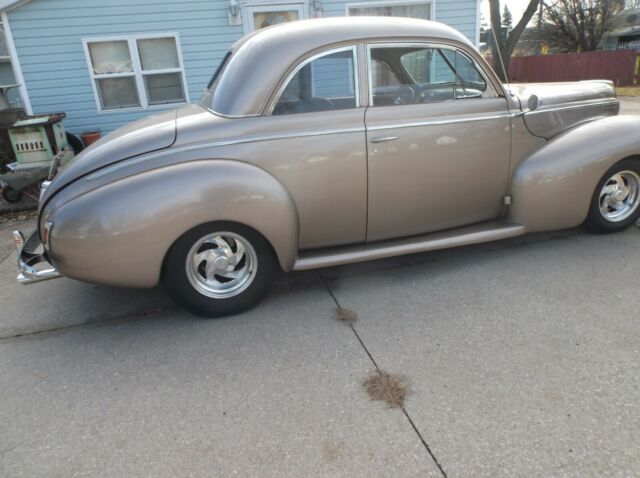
(33, 266)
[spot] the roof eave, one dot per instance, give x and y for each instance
(8, 5)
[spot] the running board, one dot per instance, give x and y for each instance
(464, 236)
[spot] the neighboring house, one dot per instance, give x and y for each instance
(625, 32)
(108, 63)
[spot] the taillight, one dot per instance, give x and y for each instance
(46, 235)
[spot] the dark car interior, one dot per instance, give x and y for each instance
(436, 76)
(400, 75)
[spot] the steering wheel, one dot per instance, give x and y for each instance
(405, 95)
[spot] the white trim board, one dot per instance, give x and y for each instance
(15, 64)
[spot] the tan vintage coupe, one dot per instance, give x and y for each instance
(332, 141)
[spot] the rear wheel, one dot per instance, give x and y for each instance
(219, 269)
(11, 195)
(616, 201)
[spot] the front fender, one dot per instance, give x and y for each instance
(119, 233)
(552, 188)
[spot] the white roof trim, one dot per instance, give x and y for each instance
(6, 5)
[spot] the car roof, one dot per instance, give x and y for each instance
(260, 59)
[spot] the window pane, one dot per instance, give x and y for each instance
(422, 75)
(164, 88)
(417, 10)
(110, 57)
(158, 53)
(471, 84)
(419, 75)
(266, 19)
(327, 83)
(118, 93)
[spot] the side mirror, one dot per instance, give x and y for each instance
(534, 103)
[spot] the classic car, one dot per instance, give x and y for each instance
(332, 141)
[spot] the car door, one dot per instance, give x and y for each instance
(316, 147)
(438, 141)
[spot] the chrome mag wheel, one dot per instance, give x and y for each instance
(619, 197)
(221, 265)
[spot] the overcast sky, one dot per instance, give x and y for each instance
(517, 8)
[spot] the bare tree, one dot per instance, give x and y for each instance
(506, 43)
(578, 25)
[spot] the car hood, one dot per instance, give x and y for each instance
(149, 134)
(551, 108)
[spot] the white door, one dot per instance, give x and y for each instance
(265, 15)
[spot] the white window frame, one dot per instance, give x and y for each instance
(249, 9)
(392, 3)
(138, 73)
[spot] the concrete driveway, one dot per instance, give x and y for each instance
(522, 357)
(629, 105)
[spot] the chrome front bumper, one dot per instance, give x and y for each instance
(33, 266)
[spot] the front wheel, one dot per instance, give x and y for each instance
(616, 200)
(219, 269)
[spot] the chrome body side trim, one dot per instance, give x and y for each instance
(582, 104)
(213, 144)
(439, 122)
(32, 267)
(485, 232)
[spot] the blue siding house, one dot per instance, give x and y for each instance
(108, 63)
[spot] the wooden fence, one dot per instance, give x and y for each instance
(620, 66)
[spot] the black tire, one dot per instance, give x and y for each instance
(180, 287)
(11, 195)
(596, 221)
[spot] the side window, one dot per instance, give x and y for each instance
(426, 75)
(325, 83)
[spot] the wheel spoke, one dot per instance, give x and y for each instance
(223, 245)
(230, 274)
(202, 257)
(239, 254)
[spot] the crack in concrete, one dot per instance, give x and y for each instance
(375, 364)
(95, 322)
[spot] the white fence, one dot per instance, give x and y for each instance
(629, 45)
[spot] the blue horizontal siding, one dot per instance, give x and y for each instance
(48, 36)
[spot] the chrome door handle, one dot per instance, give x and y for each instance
(382, 139)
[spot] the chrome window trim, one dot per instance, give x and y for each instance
(417, 44)
(356, 75)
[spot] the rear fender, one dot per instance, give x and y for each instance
(552, 188)
(120, 233)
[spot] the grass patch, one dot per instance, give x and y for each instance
(347, 316)
(628, 91)
(386, 387)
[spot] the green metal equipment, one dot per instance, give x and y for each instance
(36, 143)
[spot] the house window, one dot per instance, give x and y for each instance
(136, 72)
(261, 15)
(412, 9)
